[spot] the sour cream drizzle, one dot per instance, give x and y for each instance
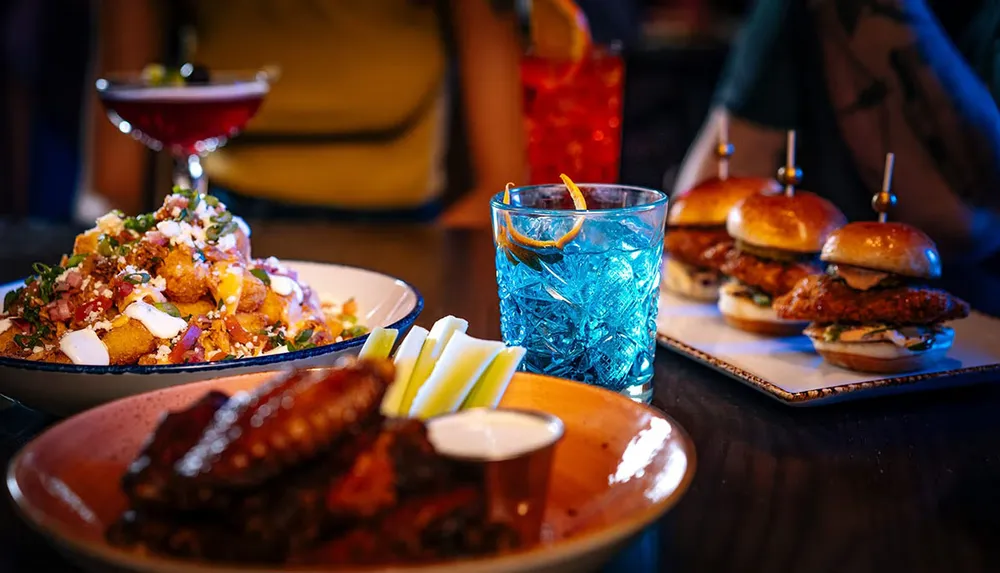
(84, 347)
(159, 323)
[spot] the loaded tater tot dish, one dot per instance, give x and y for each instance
(174, 286)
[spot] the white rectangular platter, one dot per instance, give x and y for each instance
(789, 370)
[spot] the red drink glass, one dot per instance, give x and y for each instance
(189, 120)
(573, 116)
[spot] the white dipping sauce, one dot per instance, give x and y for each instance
(491, 434)
(84, 347)
(284, 286)
(157, 322)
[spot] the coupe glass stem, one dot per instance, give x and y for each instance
(188, 173)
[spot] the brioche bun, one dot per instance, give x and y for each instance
(743, 314)
(891, 247)
(709, 202)
(800, 223)
(686, 281)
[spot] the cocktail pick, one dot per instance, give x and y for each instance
(885, 199)
(724, 149)
(790, 175)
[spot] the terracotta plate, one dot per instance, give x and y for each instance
(620, 466)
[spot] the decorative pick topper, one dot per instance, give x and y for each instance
(724, 150)
(790, 175)
(885, 199)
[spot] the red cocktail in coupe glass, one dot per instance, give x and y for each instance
(189, 120)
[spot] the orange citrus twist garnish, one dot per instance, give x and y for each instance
(579, 203)
(559, 34)
(559, 30)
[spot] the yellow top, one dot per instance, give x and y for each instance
(356, 119)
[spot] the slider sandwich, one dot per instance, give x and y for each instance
(696, 223)
(775, 241)
(872, 311)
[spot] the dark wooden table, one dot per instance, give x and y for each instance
(899, 483)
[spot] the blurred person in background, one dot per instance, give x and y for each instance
(45, 50)
(859, 79)
(357, 124)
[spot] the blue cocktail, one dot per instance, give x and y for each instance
(580, 289)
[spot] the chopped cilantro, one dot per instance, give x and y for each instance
(833, 332)
(107, 245)
(224, 225)
(355, 331)
(262, 275)
(136, 278)
(11, 298)
(140, 223)
(760, 299)
(75, 260)
(168, 308)
(303, 337)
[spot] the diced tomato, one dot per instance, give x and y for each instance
(236, 330)
(196, 354)
(123, 289)
(98, 304)
(186, 343)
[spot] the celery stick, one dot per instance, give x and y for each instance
(493, 383)
(405, 358)
(431, 350)
(461, 364)
(379, 343)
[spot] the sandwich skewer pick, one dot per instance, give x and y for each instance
(789, 175)
(724, 150)
(885, 200)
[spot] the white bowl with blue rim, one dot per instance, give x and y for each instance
(64, 389)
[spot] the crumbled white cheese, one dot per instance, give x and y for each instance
(159, 283)
(227, 242)
(110, 224)
(102, 325)
(204, 212)
(182, 233)
(285, 286)
(162, 353)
